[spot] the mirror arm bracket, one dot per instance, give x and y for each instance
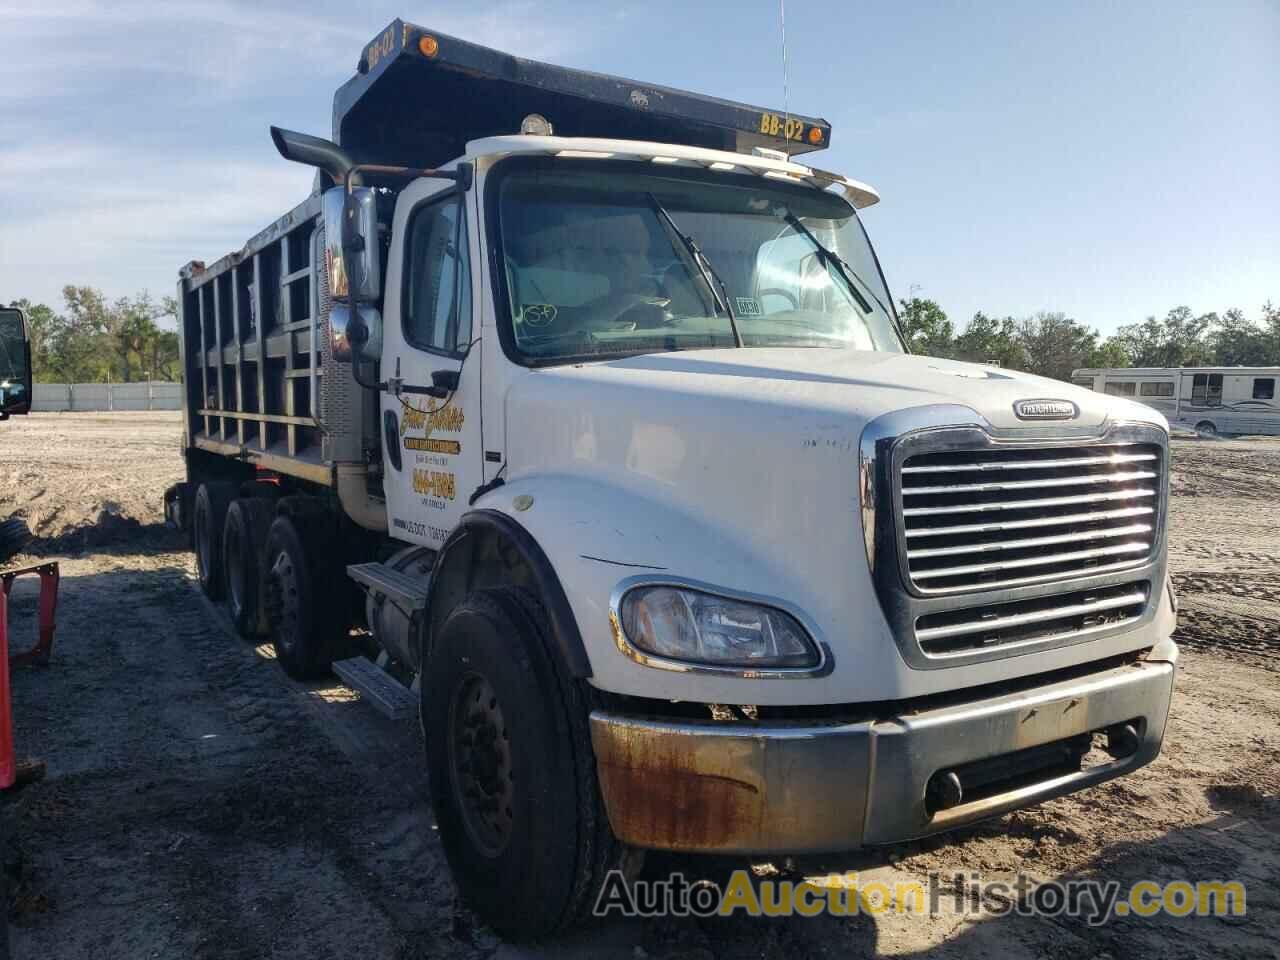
(462, 176)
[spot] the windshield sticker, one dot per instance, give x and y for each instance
(748, 307)
(539, 314)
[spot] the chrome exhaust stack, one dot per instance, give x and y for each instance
(316, 152)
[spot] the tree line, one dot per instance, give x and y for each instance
(93, 340)
(96, 341)
(1053, 344)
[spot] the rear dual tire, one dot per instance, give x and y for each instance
(209, 517)
(273, 574)
(303, 599)
(244, 537)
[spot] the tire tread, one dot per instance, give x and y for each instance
(597, 848)
(218, 494)
(14, 537)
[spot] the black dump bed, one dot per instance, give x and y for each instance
(418, 96)
(257, 376)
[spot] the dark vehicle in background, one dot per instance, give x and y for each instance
(15, 363)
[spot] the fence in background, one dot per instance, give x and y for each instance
(107, 396)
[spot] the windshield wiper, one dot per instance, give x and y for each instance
(842, 266)
(709, 276)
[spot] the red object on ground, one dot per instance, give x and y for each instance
(49, 577)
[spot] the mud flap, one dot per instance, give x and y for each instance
(178, 501)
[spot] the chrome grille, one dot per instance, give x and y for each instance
(1063, 616)
(1009, 516)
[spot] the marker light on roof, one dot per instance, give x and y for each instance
(666, 159)
(584, 154)
(535, 124)
(428, 46)
(815, 135)
(722, 166)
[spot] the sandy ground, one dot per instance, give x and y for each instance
(200, 804)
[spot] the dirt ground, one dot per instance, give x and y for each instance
(200, 804)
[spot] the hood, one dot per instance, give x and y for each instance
(859, 384)
(739, 468)
(766, 421)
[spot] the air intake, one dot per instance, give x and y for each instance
(1013, 516)
(1061, 616)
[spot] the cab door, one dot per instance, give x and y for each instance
(431, 444)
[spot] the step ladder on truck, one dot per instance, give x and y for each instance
(580, 404)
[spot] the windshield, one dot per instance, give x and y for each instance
(603, 261)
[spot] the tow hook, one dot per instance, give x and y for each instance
(943, 792)
(1122, 740)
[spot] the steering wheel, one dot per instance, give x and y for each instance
(646, 315)
(774, 291)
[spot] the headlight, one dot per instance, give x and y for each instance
(690, 625)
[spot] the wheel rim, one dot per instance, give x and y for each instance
(282, 600)
(235, 570)
(480, 758)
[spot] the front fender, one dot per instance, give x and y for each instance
(596, 535)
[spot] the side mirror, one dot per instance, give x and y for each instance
(353, 254)
(355, 332)
(15, 363)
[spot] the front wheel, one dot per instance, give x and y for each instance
(1206, 429)
(511, 768)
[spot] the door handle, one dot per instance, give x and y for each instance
(443, 383)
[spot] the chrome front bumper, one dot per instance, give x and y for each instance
(778, 788)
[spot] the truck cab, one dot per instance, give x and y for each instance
(657, 525)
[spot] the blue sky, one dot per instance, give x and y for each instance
(1108, 160)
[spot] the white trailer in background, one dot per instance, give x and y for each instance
(1212, 401)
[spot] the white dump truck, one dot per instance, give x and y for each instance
(571, 414)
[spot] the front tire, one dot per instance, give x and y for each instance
(1206, 430)
(512, 772)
